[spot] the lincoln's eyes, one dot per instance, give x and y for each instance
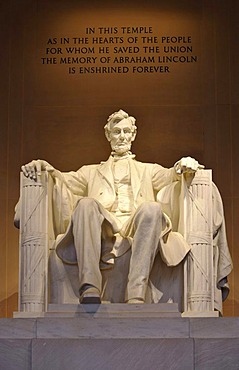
(118, 131)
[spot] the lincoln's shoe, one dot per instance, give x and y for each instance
(135, 301)
(90, 296)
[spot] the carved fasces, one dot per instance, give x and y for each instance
(196, 226)
(33, 243)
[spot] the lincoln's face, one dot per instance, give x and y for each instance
(121, 136)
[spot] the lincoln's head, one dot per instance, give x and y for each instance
(120, 131)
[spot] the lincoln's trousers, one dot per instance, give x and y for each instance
(89, 228)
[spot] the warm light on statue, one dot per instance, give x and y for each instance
(125, 209)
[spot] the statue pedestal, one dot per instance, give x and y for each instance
(112, 310)
(117, 310)
(128, 342)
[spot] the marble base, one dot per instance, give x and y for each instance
(200, 314)
(119, 343)
(105, 310)
(114, 310)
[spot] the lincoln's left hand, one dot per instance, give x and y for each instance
(187, 165)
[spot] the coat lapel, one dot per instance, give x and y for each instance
(105, 169)
(136, 173)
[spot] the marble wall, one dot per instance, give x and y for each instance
(50, 113)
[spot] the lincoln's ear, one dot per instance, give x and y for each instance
(107, 135)
(134, 135)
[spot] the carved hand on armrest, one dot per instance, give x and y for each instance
(33, 169)
(188, 166)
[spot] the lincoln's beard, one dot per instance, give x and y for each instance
(121, 149)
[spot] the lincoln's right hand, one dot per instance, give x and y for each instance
(33, 169)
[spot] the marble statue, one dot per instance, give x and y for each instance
(106, 211)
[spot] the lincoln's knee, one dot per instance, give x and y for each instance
(86, 202)
(151, 210)
(85, 205)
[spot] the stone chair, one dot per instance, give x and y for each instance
(198, 284)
